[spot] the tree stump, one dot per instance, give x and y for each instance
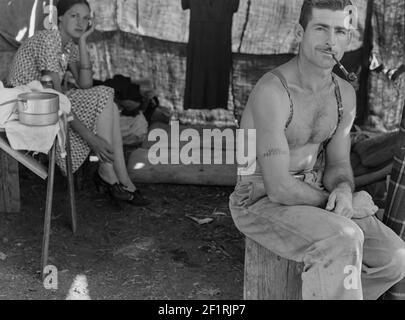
(270, 277)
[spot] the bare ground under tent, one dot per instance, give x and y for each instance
(124, 252)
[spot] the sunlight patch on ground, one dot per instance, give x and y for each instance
(79, 289)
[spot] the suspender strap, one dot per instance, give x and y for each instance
(340, 111)
(282, 79)
(339, 102)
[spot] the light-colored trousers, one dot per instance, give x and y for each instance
(343, 259)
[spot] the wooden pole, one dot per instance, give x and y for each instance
(48, 209)
(69, 172)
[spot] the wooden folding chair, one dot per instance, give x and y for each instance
(49, 173)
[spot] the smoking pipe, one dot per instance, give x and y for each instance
(351, 76)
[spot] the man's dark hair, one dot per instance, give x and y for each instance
(309, 5)
(65, 5)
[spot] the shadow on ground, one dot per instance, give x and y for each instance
(124, 252)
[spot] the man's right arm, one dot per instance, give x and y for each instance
(270, 113)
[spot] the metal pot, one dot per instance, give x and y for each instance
(38, 108)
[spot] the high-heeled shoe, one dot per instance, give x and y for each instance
(114, 190)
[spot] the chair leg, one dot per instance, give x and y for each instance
(71, 184)
(48, 209)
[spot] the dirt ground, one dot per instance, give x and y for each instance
(124, 252)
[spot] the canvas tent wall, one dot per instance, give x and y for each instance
(386, 98)
(262, 38)
(141, 38)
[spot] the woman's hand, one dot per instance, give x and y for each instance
(341, 202)
(102, 149)
(88, 32)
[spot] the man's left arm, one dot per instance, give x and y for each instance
(338, 176)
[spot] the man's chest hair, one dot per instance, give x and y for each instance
(315, 119)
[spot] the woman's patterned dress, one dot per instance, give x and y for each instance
(44, 51)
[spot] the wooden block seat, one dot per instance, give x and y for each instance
(270, 277)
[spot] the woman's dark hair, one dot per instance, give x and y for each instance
(65, 5)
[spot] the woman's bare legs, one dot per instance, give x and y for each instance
(108, 128)
(120, 166)
(104, 130)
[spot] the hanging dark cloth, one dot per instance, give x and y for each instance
(209, 53)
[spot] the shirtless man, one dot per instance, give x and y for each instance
(295, 206)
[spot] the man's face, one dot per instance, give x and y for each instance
(327, 32)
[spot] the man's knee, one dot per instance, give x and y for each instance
(351, 235)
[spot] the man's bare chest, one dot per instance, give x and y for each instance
(314, 120)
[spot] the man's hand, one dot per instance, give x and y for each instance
(102, 149)
(341, 202)
(363, 205)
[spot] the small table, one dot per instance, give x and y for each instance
(10, 189)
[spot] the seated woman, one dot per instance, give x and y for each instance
(96, 117)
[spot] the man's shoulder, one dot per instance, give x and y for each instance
(270, 83)
(269, 98)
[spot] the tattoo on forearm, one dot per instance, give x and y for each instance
(275, 152)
